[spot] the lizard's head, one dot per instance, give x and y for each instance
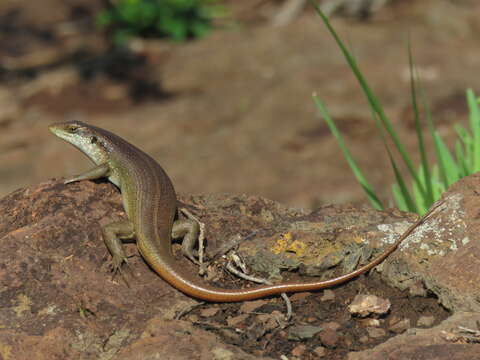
(87, 138)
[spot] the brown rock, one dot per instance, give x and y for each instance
(303, 332)
(400, 326)
(320, 351)
(271, 321)
(329, 338)
(61, 298)
(234, 321)
(364, 305)
(444, 253)
(178, 340)
(427, 343)
(59, 285)
(299, 350)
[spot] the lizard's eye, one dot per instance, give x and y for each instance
(93, 140)
(72, 129)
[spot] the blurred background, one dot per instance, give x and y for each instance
(219, 92)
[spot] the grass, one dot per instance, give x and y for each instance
(429, 179)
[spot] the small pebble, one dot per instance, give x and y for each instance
(364, 305)
(269, 321)
(320, 351)
(234, 321)
(299, 350)
(329, 338)
(302, 332)
(400, 326)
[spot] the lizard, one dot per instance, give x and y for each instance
(150, 202)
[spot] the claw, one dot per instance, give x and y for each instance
(116, 268)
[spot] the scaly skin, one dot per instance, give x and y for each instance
(150, 203)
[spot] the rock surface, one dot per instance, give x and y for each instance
(443, 256)
(59, 299)
(428, 343)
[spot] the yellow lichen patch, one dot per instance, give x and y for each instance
(5, 351)
(285, 244)
(298, 247)
(358, 240)
(281, 245)
(24, 303)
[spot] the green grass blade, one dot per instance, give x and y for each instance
(374, 103)
(445, 160)
(374, 200)
(410, 204)
(407, 202)
(423, 204)
(444, 157)
(465, 143)
(464, 136)
(399, 198)
(427, 184)
(475, 126)
(438, 186)
(461, 159)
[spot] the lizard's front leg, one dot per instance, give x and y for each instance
(113, 234)
(102, 170)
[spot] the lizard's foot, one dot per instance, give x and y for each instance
(113, 234)
(193, 232)
(117, 262)
(116, 267)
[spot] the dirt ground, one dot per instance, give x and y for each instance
(231, 112)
